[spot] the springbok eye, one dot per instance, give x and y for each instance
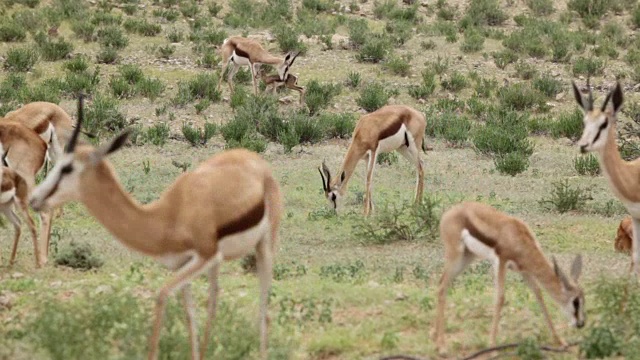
(66, 169)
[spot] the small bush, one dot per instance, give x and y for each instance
(521, 96)
(504, 132)
(318, 96)
(373, 96)
(20, 59)
(387, 158)
(565, 197)
(375, 49)
(353, 79)
(358, 32)
(547, 85)
(338, 125)
(512, 163)
(112, 37)
(586, 165)
(12, 32)
(158, 134)
(427, 87)
(589, 8)
(288, 39)
(541, 7)
(77, 65)
(588, 66)
(308, 129)
(103, 114)
(569, 125)
(203, 86)
(165, 52)
(525, 70)
(454, 82)
(55, 50)
(398, 65)
(79, 256)
(473, 41)
(252, 142)
(107, 55)
(504, 58)
(150, 88)
(600, 343)
(483, 13)
(84, 30)
(197, 136)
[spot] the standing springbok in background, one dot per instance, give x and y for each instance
(472, 230)
(226, 208)
(247, 52)
(49, 121)
(15, 192)
(392, 127)
(599, 136)
(273, 82)
(24, 152)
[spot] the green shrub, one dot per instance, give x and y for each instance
(105, 18)
(600, 343)
(387, 158)
(55, 50)
(450, 126)
(587, 165)
(170, 15)
(525, 71)
(288, 39)
(399, 31)
(158, 134)
(308, 129)
(454, 82)
(569, 125)
(203, 86)
(540, 7)
(427, 87)
(79, 256)
(107, 55)
(373, 96)
(375, 49)
(565, 197)
(588, 66)
(103, 114)
(358, 32)
(214, 8)
(112, 37)
(20, 59)
(84, 30)
(504, 57)
(141, 27)
(635, 17)
(482, 13)
(11, 31)
(338, 125)
(547, 85)
(150, 88)
(512, 163)
(504, 132)
(521, 96)
(165, 52)
(86, 82)
(473, 41)
(251, 141)
(77, 64)
(319, 96)
(484, 88)
(198, 136)
(589, 8)
(353, 79)
(398, 65)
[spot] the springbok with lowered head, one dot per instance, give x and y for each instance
(599, 136)
(273, 82)
(241, 51)
(225, 209)
(473, 230)
(392, 127)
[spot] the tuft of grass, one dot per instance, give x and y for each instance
(20, 59)
(54, 50)
(353, 79)
(473, 41)
(540, 7)
(565, 197)
(79, 256)
(569, 125)
(587, 165)
(521, 96)
(112, 37)
(158, 134)
(512, 163)
(202, 86)
(141, 27)
(319, 95)
(455, 82)
(483, 13)
(547, 85)
(103, 115)
(338, 125)
(375, 49)
(588, 66)
(11, 31)
(198, 136)
(399, 65)
(373, 96)
(504, 57)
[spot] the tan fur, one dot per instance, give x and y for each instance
(186, 219)
(11, 180)
(515, 246)
(623, 176)
(257, 56)
(273, 82)
(25, 153)
(624, 235)
(366, 136)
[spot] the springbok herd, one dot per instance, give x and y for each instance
(231, 205)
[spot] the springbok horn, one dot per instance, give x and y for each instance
(76, 131)
(590, 94)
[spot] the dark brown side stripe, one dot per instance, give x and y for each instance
(244, 222)
(391, 129)
(41, 127)
(476, 233)
(242, 53)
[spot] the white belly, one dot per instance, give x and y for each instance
(392, 142)
(633, 209)
(243, 243)
(237, 59)
(478, 248)
(7, 196)
(175, 260)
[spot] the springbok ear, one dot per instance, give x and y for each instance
(578, 96)
(576, 267)
(617, 97)
(560, 274)
(606, 102)
(114, 145)
(327, 174)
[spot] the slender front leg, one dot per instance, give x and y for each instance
(538, 294)
(413, 156)
(635, 247)
(264, 264)
(212, 305)
(32, 228)
(501, 271)
(224, 68)
(45, 237)
(183, 276)
(187, 299)
(368, 203)
(232, 73)
(253, 78)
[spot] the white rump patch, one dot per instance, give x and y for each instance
(393, 142)
(478, 248)
(243, 243)
(7, 196)
(240, 60)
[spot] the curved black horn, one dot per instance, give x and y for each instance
(324, 184)
(76, 131)
(590, 105)
(327, 173)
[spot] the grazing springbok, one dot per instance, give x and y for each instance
(24, 152)
(247, 52)
(473, 230)
(15, 192)
(599, 136)
(226, 208)
(392, 127)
